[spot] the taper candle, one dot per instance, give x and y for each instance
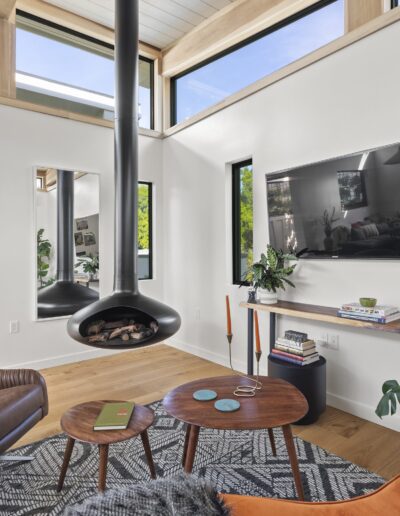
(228, 317)
(258, 345)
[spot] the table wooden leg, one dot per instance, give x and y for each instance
(147, 451)
(185, 446)
(65, 464)
(191, 450)
(287, 433)
(272, 441)
(250, 341)
(103, 451)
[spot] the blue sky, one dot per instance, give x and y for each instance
(57, 61)
(215, 81)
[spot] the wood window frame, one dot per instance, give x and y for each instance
(231, 50)
(80, 39)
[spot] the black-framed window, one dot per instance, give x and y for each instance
(145, 230)
(242, 219)
(213, 80)
(64, 69)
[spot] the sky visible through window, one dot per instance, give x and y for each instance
(54, 60)
(217, 80)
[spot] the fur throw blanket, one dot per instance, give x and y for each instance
(180, 496)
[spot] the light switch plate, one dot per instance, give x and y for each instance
(14, 327)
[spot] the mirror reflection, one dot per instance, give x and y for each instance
(67, 235)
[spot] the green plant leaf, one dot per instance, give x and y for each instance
(390, 385)
(289, 282)
(393, 404)
(272, 257)
(383, 407)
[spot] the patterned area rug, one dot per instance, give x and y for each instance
(235, 462)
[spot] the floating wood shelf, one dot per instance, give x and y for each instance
(320, 313)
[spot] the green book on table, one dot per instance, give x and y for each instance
(114, 416)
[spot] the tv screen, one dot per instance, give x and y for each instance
(347, 207)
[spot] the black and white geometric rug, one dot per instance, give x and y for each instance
(235, 462)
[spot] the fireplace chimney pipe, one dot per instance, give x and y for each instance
(65, 221)
(126, 145)
(141, 320)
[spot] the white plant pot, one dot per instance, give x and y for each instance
(266, 297)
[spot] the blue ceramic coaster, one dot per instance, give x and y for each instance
(204, 395)
(227, 405)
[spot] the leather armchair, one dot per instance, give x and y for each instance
(23, 403)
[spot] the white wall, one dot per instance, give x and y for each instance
(29, 139)
(340, 105)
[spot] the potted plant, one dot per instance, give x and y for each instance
(327, 220)
(271, 274)
(391, 396)
(43, 259)
(90, 265)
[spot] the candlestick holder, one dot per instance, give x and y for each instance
(245, 391)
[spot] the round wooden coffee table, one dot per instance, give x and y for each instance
(78, 423)
(277, 404)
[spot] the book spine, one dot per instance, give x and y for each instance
(290, 355)
(294, 360)
(295, 344)
(360, 317)
(295, 351)
(378, 312)
(284, 354)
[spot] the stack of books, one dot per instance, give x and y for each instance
(295, 347)
(379, 314)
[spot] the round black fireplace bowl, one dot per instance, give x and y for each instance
(64, 298)
(129, 307)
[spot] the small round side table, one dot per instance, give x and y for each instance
(77, 423)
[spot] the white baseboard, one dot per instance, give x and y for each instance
(362, 410)
(61, 359)
(347, 405)
(218, 358)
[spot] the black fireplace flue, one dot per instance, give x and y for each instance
(126, 318)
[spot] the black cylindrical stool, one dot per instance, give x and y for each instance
(309, 379)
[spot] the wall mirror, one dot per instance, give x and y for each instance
(67, 241)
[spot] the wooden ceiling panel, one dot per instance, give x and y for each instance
(162, 22)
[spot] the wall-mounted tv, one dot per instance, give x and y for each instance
(347, 207)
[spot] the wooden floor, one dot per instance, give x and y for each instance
(147, 374)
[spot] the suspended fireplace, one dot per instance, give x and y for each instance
(126, 318)
(64, 297)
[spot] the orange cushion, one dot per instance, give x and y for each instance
(385, 501)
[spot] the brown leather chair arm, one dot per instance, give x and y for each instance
(15, 377)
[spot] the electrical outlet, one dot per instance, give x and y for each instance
(329, 341)
(14, 327)
(333, 341)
